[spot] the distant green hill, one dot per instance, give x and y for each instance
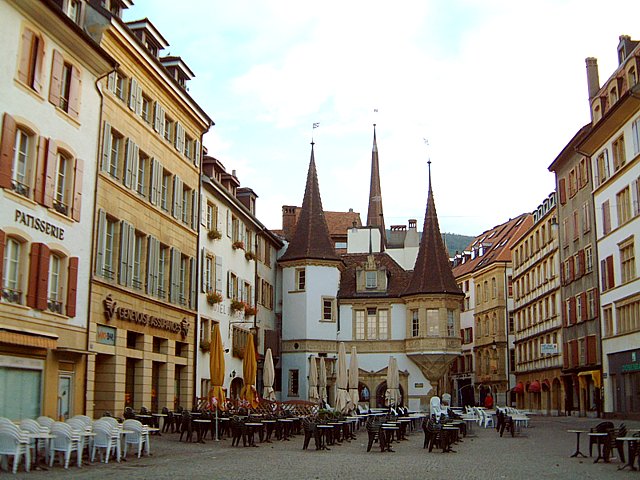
(455, 242)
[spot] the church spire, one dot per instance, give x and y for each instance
(432, 272)
(375, 217)
(311, 238)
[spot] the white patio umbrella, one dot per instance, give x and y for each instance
(392, 395)
(268, 377)
(322, 381)
(354, 379)
(313, 381)
(343, 399)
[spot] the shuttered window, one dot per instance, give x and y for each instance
(30, 65)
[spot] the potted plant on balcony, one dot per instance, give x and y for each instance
(250, 256)
(205, 345)
(249, 311)
(238, 244)
(214, 234)
(237, 305)
(213, 297)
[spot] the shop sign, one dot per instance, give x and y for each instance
(106, 335)
(631, 367)
(418, 385)
(112, 310)
(39, 224)
(548, 348)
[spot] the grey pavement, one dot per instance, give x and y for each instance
(541, 451)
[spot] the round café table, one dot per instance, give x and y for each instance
(578, 453)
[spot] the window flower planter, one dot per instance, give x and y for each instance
(237, 305)
(250, 311)
(214, 234)
(238, 244)
(250, 256)
(213, 298)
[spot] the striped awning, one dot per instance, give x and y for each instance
(28, 338)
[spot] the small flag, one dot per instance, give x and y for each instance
(316, 125)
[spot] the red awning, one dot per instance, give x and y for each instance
(546, 385)
(534, 387)
(519, 388)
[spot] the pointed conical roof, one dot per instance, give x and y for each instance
(432, 272)
(375, 217)
(311, 238)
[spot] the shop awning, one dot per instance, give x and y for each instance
(595, 375)
(28, 338)
(519, 388)
(546, 385)
(534, 387)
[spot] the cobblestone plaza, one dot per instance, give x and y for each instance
(543, 451)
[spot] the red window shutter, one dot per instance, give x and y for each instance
(565, 313)
(562, 274)
(462, 335)
(50, 174)
(572, 269)
(603, 274)
(592, 352)
(572, 306)
(563, 193)
(77, 190)
(41, 166)
(43, 278)
(610, 279)
(584, 315)
(74, 92)
(72, 287)
(57, 65)
(32, 291)
(7, 150)
(565, 355)
(25, 56)
(2, 243)
(581, 262)
(596, 313)
(37, 74)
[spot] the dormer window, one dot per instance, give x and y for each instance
(613, 96)
(371, 279)
(631, 77)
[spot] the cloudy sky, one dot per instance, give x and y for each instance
(498, 87)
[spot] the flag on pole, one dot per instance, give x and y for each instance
(316, 125)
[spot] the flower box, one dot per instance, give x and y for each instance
(250, 256)
(237, 305)
(238, 244)
(213, 298)
(214, 234)
(250, 311)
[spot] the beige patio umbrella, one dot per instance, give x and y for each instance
(392, 395)
(249, 372)
(313, 381)
(322, 381)
(354, 379)
(343, 399)
(268, 377)
(216, 370)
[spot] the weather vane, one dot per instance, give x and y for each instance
(315, 125)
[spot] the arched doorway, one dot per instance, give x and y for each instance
(236, 386)
(380, 392)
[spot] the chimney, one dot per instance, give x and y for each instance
(413, 224)
(593, 81)
(288, 220)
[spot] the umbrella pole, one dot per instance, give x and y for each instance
(217, 436)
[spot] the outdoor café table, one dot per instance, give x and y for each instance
(253, 427)
(631, 455)
(600, 437)
(519, 421)
(469, 420)
(578, 453)
(158, 417)
(404, 423)
(144, 419)
(388, 430)
(452, 433)
(287, 423)
(325, 430)
(37, 437)
(269, 426)
(199, 431)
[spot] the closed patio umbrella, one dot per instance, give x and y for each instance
(354, 379)
(343, 399)
(216, 369)
(322, 381)
(392, 395)
(249, 372)
(268, 376)
(313, 381)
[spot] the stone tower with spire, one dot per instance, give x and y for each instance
(310, 281)
(433, 302)
(375, 215)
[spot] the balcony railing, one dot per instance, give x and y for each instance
(12, 296)
(54, 306)
(20, 188)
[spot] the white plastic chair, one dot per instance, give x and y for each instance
(107, 437)
(15, 444)
(139, 436)
(110, 420)
(84, 418)
(31, 426)
(65, 441)
(45, 421)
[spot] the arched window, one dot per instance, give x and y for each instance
(494, 287)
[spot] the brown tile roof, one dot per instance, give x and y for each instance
(311, 237)
(432, 271)
(397, 277)
(496, 243)
(337, 222)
